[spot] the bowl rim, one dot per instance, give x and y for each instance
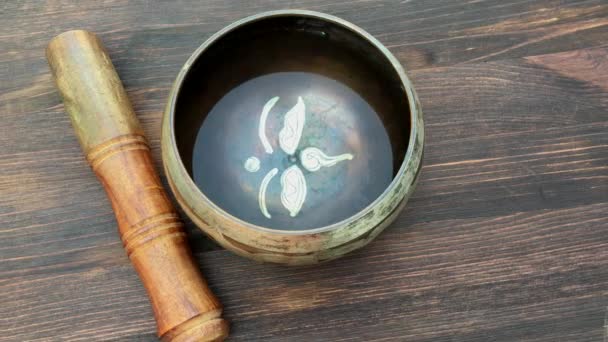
(397, 67)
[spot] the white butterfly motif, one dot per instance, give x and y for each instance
(293, 183)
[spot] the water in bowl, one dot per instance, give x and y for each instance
(291, 129)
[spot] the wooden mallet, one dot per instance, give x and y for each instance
(151, 231)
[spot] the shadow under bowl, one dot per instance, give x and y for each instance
(292, 137)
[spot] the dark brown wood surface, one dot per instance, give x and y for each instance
(505, 239)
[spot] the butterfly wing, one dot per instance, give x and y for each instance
(293, 190)
(293, 125)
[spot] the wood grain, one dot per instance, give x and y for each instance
(151, 232)
(503, 240)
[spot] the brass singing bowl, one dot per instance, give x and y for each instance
(292, 137)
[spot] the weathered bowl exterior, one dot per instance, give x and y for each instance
(294, 247)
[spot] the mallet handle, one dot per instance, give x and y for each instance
(151, 231)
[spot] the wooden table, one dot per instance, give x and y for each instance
(505, 239)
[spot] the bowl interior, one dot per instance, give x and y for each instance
(292, 122)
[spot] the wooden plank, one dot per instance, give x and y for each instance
(503, 240)
(492, 117)
(538, 276)
(425, 33)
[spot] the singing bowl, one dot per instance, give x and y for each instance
(292, 137)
